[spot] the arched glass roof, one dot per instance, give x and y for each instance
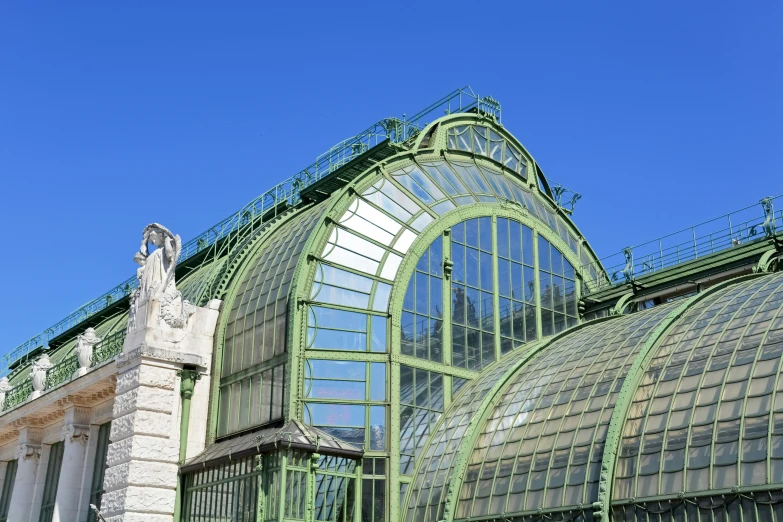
(708, 414)
(703, 419)
(541, 445)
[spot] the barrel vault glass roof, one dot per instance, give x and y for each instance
(528, 436)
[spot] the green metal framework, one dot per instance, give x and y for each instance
(52, 481)
(226, 492)
(8, 489)
(344, 314)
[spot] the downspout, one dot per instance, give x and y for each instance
(187, 384)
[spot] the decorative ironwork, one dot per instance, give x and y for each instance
(107, 349)
(560, 193)
(18, 394)
(61, 372)
(266, 206)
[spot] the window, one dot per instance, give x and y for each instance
(473, 311)
(335, 483)
(52, 481)
(349, 422)
(347, 397)
(422, 318)
(421, 404)
(8, 489)
(486, 142)
(225, 492)
(373, 490)
(558, 290)
(99, 471)
(253, 357)
(493, 301)
(516, 284)
(333, 329)
(251, 401)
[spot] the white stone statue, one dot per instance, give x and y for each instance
(5, 387)
(38, 375)
(156, 277)
(85, 343)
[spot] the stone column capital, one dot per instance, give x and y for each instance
(76, 433)
(27, 451)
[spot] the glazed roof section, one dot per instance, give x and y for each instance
(291, 435)
(703, 413)
(270, 203)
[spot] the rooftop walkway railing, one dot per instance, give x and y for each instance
(391, 129)
(730, 230)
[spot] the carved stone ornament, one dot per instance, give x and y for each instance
(28, 451)
(5, 387)
(76, 433)
(84, 347)
(156, 277)
(38, 375)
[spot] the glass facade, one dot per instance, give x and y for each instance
(252, 377)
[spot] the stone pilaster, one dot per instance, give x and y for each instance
(28, 454)
(142, 474)
(76, 435)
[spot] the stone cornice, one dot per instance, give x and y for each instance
(160, 354)
(95, 388)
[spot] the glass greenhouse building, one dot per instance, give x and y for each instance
(415, 330)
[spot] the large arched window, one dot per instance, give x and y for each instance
(493, 299)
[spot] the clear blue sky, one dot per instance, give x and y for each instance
(117, 114)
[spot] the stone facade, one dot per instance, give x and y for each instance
(139, 393)
(141, 479)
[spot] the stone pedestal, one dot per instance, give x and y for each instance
(28, 455)
(141, 478)
(76, 434)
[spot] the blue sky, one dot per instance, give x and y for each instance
(114, 115)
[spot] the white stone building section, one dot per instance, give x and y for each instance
(110, 435)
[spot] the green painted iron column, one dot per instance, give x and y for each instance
(188, 380)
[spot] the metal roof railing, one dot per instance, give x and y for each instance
(730, 230)
(391, 129)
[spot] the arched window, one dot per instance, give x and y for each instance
(491, 301)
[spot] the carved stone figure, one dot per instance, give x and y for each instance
(38, 375)
(85, 343)
(5, 387)
(156, 277)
